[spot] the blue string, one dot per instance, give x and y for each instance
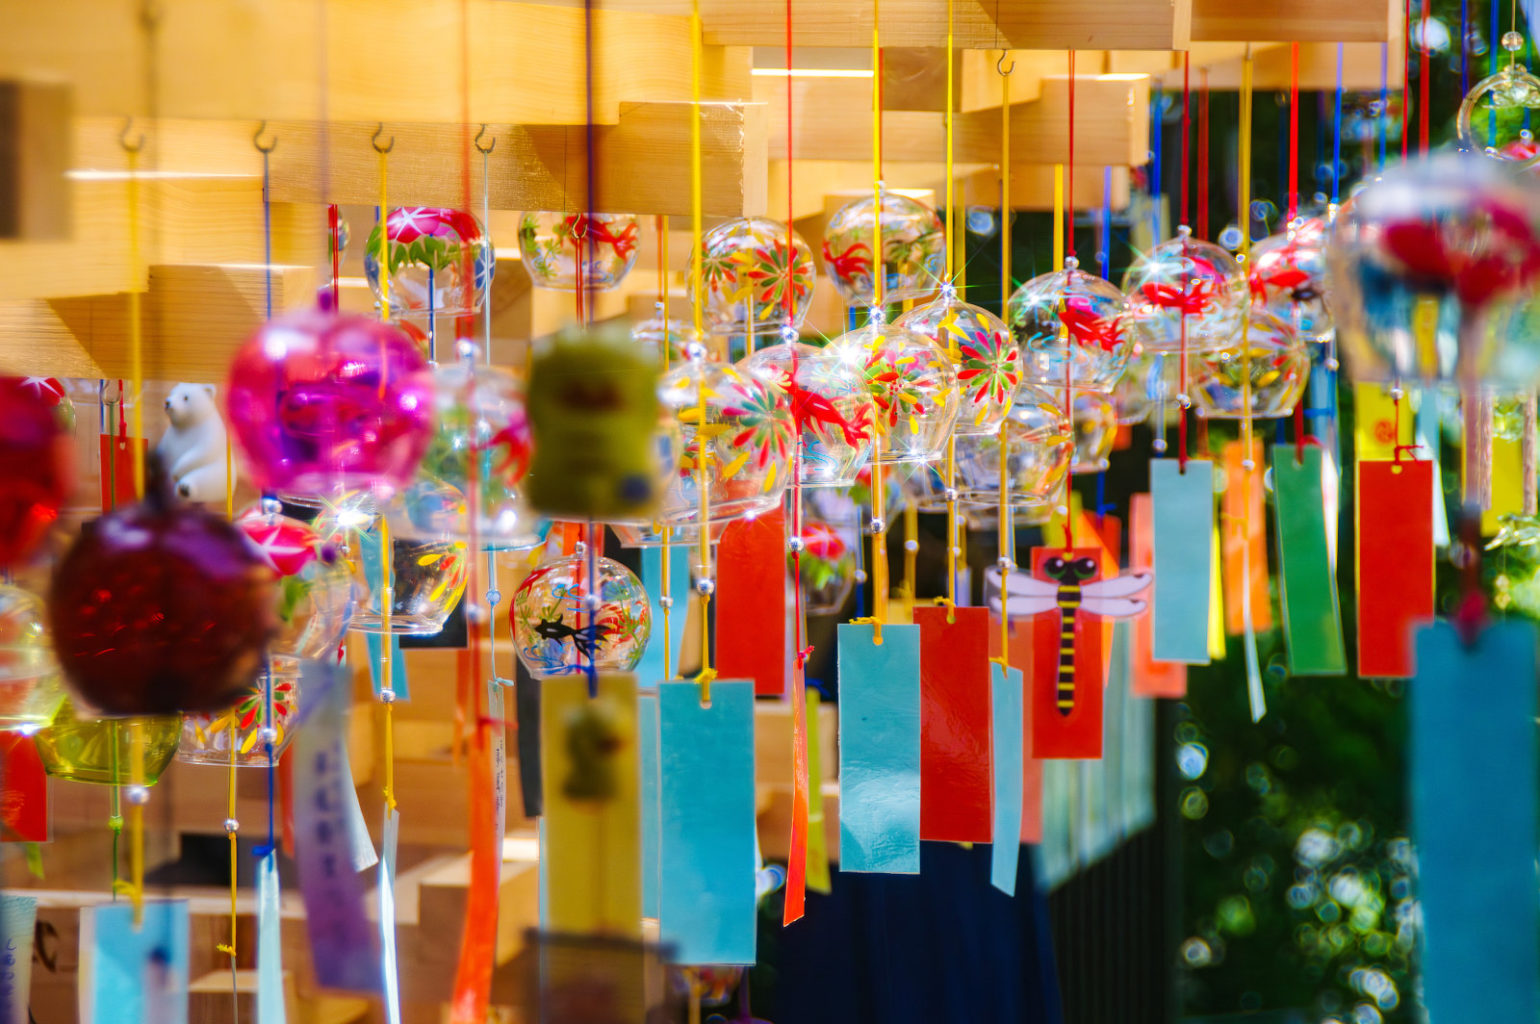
(1336, 131)
(1492, 70)
(1104, 257)
(1156, 100)
(1464, 47)
(594, 592)
(1384, 119)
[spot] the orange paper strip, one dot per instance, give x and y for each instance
(796, 861)
(478, 940)
(1151, 678)
(1243, 526)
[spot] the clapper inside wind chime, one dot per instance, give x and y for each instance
(1066, 597)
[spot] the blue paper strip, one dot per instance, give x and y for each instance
(650, 669)
(647, 732)
(389, 973)
(706, 834)
(1474, 820)
(1006, 697)
(1183, 505)
(134, 975)
(270, 1004)
(364, 856)
(342, 941)
(879, 722)
(18, 918)
(398, 678)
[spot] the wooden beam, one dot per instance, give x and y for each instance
(642, 163)
(1112, 119)
(363, 60)
(1321, 21)
(1361, 67)
(1022, 24)
(35, 145)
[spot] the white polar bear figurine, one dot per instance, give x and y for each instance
(193, 446)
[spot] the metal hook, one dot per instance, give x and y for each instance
(477, 142)
(256, 139)
(132, 147)
(374, 140)
(1000, 64)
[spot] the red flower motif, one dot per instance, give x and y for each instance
(1086, 328)
(1506, 259)
(856, 261)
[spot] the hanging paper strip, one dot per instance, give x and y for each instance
(751, 602)
(650, 669)
(527, 715)
(706, 901)
(1473, 767)
(817, 842)
(1375, 434)
(1182, 529)
(1395, 563)
(23, 790)
(1507, 483)
(478, 937)
(270, 995)
(1090, 531)
(879, 749)
(18, 918)
(1006, 700)
(955, 778)
(1151, 678)
(796, 857)
(647, 743)
(386, 887)
(1244, 539)
(589, 767)
(364, 856)
(133, 974)
(1216, 605)
(498, 734)
(1312, 622)
(342, 941)
(399, 684)
(1066, 682)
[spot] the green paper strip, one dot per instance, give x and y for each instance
(1312, 619)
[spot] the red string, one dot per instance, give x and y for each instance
(1181, 422)
(334, 221)
(1069, 183)
(1202, 224)
(1406, 77)
(1427, 6)
(1293, 132)
(1186, 211)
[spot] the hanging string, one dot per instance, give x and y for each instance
(665, 598)
(494, 595)
(1253, 670)
(1004, 511)
(1406, 77)
(1202, 224)
(1465, 47)
(387, 591)
(1336, 133)
(702, 486)
(951, 250)
(1064, 335)
(1069, 188)
(879, 272)
(1186, 210)
(1425, 77)
(790, 336)
(1293, 133)
(1492, 48)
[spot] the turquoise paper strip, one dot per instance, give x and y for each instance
(390, 975)
(270, 1005)
(650, 669)
(134, 975)
(647, 727)
(1312, 617)
(879, 693)
(398, 678)
(1006, 701)
(1183, 505)
(706, 833)
(18, 918)
(1473, 766)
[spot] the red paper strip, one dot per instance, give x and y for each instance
(751, 603)
(478, 940)
(956, 785)
(1243, 527)
(796, 860)
(1151, 678)
(1067, 658)
(23, 791)
(1395, 563)
(118, 472)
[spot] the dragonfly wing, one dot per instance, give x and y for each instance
(1126, 585)
(1018, 605)
(1113, 607)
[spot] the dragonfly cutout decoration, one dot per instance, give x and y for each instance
(1069, 585)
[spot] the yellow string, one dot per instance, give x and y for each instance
(707, 673)
(1245, 223)
(135, 320)
(879, 537)
(1004, 527)
(136, 819)
(911, 554)
(951, 341)
(233, 740)
(384, 243)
